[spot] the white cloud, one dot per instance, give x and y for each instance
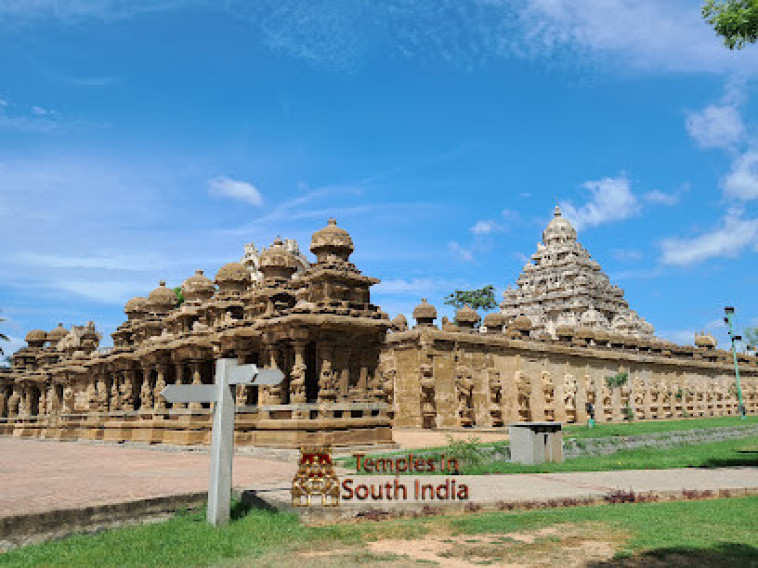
(729, 239)
(611, 200)
(414, 286)
(661, 198)
(742, 181)
(462, 253)
(484, 227)
(649, 35)
(242, 190)
(716, 126)
(106, 291)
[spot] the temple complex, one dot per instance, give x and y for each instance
(564, 345)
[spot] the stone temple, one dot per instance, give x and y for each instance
(351, 374)
(564, 287)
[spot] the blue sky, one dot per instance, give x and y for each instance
(140, 140)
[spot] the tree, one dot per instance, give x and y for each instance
(734, 20)
(179, 296)
(3, 337)
(751, 336)
(483, 298)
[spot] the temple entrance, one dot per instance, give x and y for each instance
(58, 402)
(311, 373)
(34, 395)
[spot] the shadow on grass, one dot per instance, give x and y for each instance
(722, 555)
(742, 457)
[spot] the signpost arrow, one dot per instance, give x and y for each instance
(189, 393)
(228, 373)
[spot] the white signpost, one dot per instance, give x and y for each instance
(228, 374)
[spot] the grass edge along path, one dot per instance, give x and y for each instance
(722, 529)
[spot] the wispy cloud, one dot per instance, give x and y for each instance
(741, 183)
(646, 35)
(485, 227)
(414, 286)
(236, 189)
(611, 199)
(464, 254)
(105, 291)
(661, 198)
(733, 234)
(719, 125)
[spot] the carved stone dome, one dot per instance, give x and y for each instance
(276, 262)
(332, 243)
(424, 313)
(198, 287)
(467, 317)
(399, 322)
(521, 323)
(233, 277)
(558, 230)
(232, 271)
(36, 336)
(55, 335)
(135, 306)
(494, 321)
(162, 299)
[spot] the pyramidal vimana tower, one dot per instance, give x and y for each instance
(350, 372)
(563, 287)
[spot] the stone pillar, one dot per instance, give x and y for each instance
(92, 402)
(68, 399)
(647, 398)
(344, 374)
(297, 375)
(145, 392)
(509, 396)
(23, 406)
(599, 398)
(179, 370)
(537, 397)
(581, 399)
(275, 392)
(240, 391)
(42, 401)
(616, 414)
(559, 400)
(197, 379)
(160, 384)
(127, 390)
(326, 390)
(115, 398)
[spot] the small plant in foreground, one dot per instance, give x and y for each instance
(467, 451)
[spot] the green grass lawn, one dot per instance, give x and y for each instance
(738, 452)
(640, 427)
(713, 454)
(721, 532)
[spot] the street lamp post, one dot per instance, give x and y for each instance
(729, 311)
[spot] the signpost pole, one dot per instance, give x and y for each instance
(228, 375)
(222, 450)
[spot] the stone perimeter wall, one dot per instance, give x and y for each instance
(448, 379)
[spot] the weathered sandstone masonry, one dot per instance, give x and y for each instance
(454, 378)
(314, 321)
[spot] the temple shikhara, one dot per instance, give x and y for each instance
(351, 373)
